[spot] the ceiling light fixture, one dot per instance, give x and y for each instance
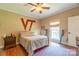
(38, 7)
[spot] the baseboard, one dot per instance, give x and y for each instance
(69, 45)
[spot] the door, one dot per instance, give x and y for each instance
(73, 30)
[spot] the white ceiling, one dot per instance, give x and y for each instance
(25, 10)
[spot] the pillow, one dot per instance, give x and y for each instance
(26, 33)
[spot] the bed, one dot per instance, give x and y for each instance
(33, 42)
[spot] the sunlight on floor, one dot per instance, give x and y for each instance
(55, 49)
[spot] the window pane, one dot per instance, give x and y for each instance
(55, 32)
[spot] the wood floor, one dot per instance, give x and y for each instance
(14, 51)
(54, 48)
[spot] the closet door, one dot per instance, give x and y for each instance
(73, 30)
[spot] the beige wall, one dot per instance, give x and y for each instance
(10, 22)
(62, 17)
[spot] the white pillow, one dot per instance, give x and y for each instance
(26, 33)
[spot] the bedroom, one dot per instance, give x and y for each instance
(13, 22)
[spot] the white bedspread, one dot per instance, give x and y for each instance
(31, 43)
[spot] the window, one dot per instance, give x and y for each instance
(55, 31)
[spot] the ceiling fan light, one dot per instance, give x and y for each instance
(38, 8)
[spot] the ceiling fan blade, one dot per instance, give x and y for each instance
(46, 7)
(39, 3)
(32, 4)
(33, 10)
(40, 12)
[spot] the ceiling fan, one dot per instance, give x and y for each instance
(38, 7)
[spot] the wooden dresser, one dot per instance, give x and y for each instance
(9, 42)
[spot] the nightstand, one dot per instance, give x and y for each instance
(9, 42)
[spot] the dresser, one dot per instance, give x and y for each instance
(9, 42)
